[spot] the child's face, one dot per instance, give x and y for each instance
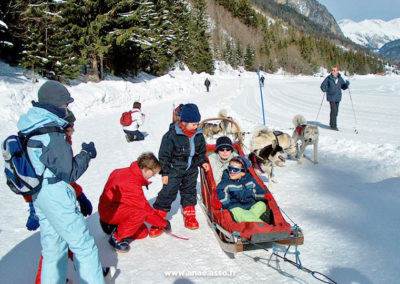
(191, 125)
(148, 173)
(235, 170)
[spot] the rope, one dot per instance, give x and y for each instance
(178, 237)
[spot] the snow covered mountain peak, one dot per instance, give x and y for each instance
(371, 33)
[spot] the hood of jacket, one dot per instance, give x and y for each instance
(37, 117)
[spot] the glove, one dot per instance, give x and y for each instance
(347, 83)
(90, 149)
(168, 226)
(85, 205)
(324, 89)
(33, 221)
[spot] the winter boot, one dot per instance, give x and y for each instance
(189, 216)
(119, 246)
(156, 231)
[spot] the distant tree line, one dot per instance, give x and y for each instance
(71, 37)
(295, 43)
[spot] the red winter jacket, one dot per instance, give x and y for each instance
(123, 190)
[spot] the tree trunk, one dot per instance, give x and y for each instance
(101, 67)
(95, 69)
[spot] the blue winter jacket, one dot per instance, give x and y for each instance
(50, 153)
(333, 89)
(239, 193)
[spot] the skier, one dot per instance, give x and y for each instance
(62, 226)
(182, 150)
(333, 86)
(207, 83)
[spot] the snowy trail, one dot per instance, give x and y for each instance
(347, 205)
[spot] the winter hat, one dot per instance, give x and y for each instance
(190, 113)
(244, 161)
(178, 109)
(223, 141)
(54, 93)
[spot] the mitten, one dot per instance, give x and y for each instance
(347, 83)
(168, 226)
(324, 89)
(90, 149)
(33, 221)
(85, 205)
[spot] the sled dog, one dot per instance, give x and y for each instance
(262, 136)
(265, 159)
(211, 129)
(307, 134)
(229, 128)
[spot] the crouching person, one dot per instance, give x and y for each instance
(123, 208)
(182, 151)
(239, 192)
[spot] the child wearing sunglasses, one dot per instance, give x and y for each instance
(223, 154)
(239, 192)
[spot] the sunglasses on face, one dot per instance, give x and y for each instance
(235, 170)
(224, 149)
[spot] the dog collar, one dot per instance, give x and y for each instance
(299, 129)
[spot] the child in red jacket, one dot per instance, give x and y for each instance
(123, 208)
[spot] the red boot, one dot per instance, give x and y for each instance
(156, 231)
(189, 216)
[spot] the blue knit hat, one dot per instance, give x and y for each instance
(190, 113)
(54, 93)
(223, 141)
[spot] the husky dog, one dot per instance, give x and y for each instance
(307, 134)
(265, 159)
(228, 127)
(262, 137)
(211, 129)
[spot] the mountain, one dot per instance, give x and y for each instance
(372, 34)
(316, 12)
(391, 50)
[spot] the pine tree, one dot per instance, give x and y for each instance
(249, 58)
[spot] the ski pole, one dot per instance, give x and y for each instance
(354, 113)
(323, 96)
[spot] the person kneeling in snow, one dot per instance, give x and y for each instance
(182, 151)
(132, 131)
(123, 208)
(239, 192)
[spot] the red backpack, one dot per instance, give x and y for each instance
(126, 118)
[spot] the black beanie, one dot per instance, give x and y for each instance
(223, 141)
(190, 113)
(54, 93)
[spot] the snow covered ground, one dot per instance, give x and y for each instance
(347, 205)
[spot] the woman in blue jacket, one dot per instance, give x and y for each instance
(62, 225)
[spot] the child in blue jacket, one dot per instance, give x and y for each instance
(239, 192)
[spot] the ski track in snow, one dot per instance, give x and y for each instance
(347, 205)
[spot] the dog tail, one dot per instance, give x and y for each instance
(299, 120)
(259, 130)
(223, 113)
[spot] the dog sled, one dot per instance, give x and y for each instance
(236, 237)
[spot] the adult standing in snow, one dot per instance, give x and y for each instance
(62, 224)
(132, 131)
(262, 80)
(333, 86)
(207, 83)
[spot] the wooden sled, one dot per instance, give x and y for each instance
(236, 237)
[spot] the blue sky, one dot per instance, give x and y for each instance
(358, 10)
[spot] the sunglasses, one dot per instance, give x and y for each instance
(235, 170)
(225, 149)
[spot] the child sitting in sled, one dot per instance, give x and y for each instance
(239, 192)
(123, 208)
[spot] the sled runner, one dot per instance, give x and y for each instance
(237, 237)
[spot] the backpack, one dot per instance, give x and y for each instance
(20, 174)
(126, 118)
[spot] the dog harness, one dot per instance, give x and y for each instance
(277, 133)
(300, 129)
(256, 162)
